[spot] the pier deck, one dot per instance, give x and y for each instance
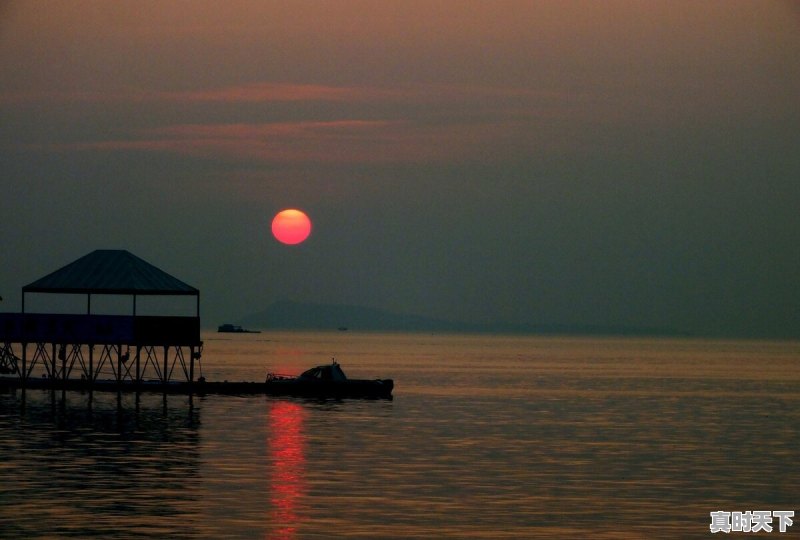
(200, 388)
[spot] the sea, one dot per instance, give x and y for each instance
(486, 437)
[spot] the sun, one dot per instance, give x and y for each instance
(291, 226)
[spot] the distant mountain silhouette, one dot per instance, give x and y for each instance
(290, 315)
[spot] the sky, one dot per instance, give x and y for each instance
(616, 163)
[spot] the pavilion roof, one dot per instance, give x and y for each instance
(110, 271)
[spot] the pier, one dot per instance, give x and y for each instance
(131, 352)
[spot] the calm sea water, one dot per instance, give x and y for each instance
(487, 437)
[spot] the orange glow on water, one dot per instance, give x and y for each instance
(286, 452)
(291, 226)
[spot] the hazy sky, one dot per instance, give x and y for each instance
(579, 162)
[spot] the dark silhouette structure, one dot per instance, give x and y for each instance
(75, 349)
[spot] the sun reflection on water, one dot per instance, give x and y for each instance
(286, 452)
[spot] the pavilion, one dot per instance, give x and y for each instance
(128, 348)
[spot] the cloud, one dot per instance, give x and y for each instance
(269, 92)
(275, 92)
(360, 124)
(260, 92)
(415, 123)
(341, 141)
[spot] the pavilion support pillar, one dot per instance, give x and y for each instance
(91, 367)
(119, 363)
(63, 356)
(138, 369)
(165, 373)
(24, 373)
(191, 364)
(52, 362)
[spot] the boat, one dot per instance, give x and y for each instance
(234, 329)
(328, 381)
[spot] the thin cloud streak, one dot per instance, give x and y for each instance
(408, 124)
(251, 93)
(271, 92)
(344, 141)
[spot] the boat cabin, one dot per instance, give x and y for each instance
(330, 372)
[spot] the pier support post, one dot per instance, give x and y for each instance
(119, 363)
(191, 364)
(24, 373)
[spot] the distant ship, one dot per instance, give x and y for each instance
(233, 329)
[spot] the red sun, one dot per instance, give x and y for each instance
(291, 226)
